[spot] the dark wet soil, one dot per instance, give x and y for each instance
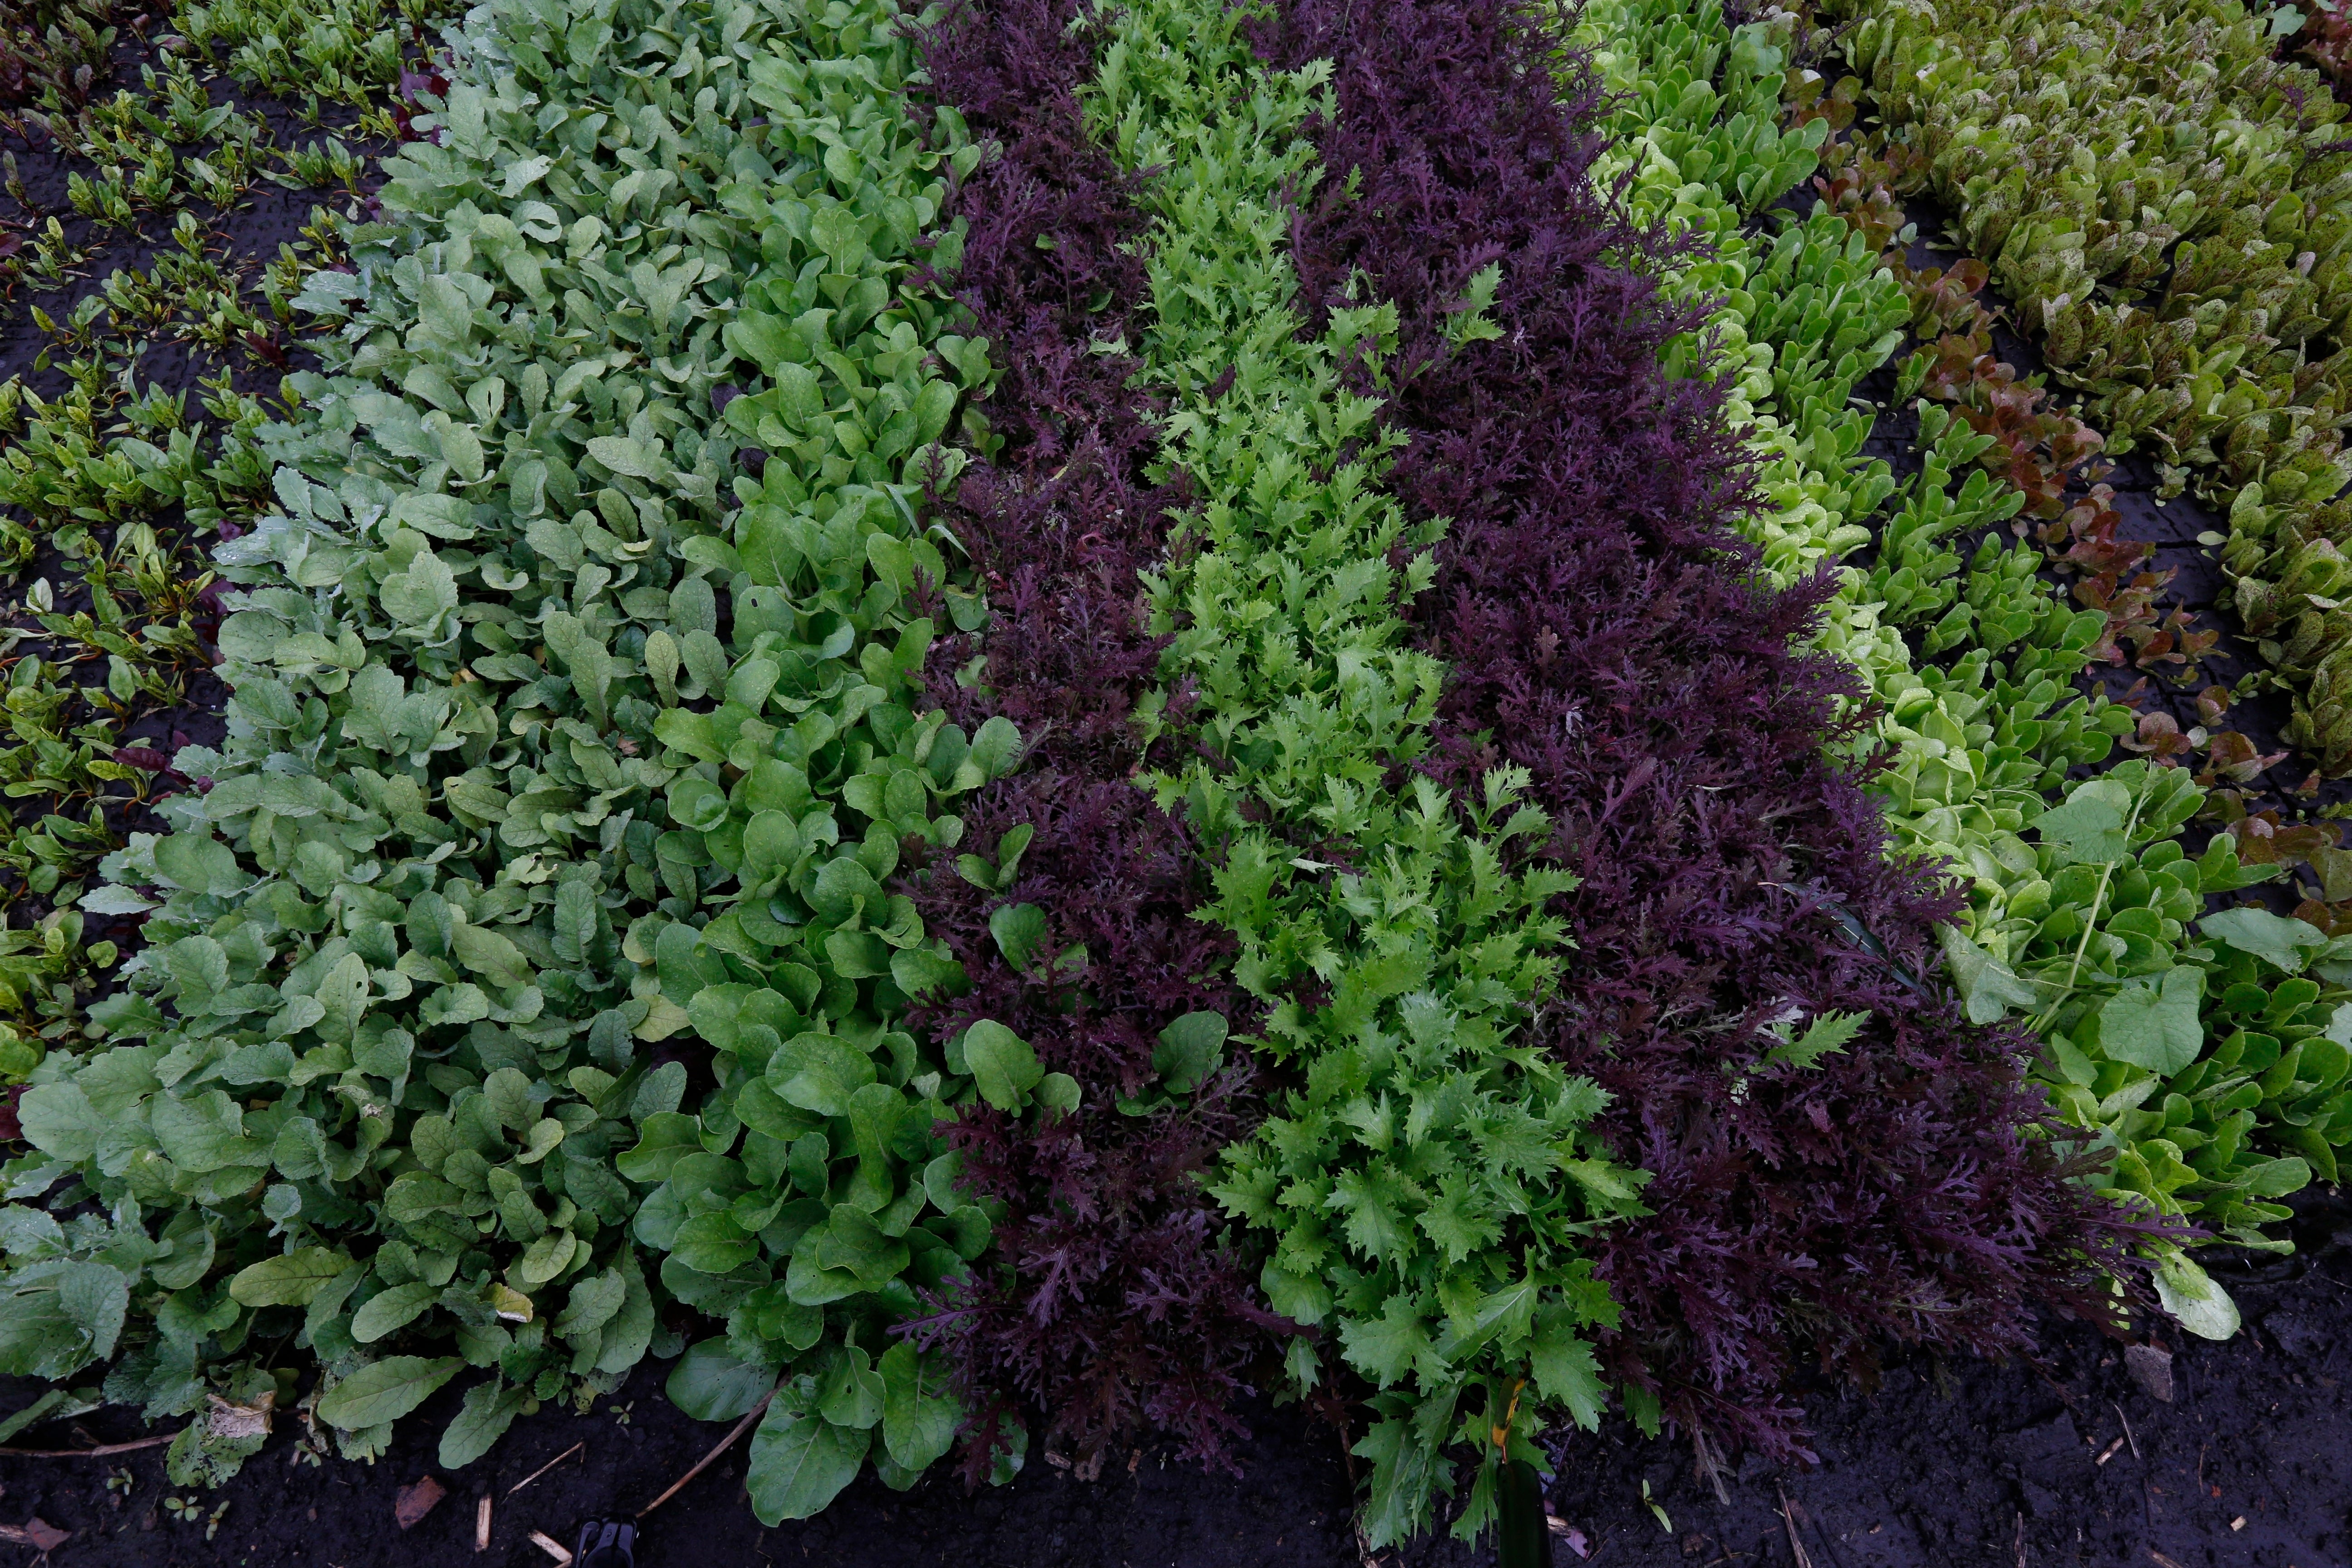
(2072, 1462)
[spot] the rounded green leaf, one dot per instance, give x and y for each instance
(1190, 1049)
(2153, 1023)
(819, 1072)
(800, 1462)
(385, 1390)
(393, 1309)
(711, 1383)
(1001, 1064)
(291, 1281)
(714, 1243)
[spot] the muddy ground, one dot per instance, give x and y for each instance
(2072, 1462)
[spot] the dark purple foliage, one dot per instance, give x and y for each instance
(1112, 1298)
(1606, 629)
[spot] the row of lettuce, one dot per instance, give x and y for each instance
(2164, 199)
(1009, 718)
(2200, 1056)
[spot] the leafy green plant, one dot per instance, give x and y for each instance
(106, 454)
(348, 52)
(430, 942)
(2163, 200)
(52, 51)
(2099, 912)
(1425, 1180)
(2183, 1114)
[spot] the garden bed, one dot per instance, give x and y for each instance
(1179, 767)
(1948, 1463)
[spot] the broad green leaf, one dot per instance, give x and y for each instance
(393, 1309)
(714, 1243)
(1989, 989)
(1020, 933)
(662, 1140)
(993, 747)
(57, 1318)
(1002, 1063)
(625, 1339)
(819, 1072)
(419, 596)
(489, 1409)
(200, 864)
(2090, 826)
(626, 455)
(596, 1300)
(385, 1390)
(918, 1418)
(60, 1121)
(2195, 1300)
(490, 955)
(800, 1463)
(2153, 1022)
(293, 1279)
(851, 1392)
(1190, 1049)
(2277, 940)
(711, 1383)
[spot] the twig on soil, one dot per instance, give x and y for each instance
(704, 1463)
(1707, 1467)
(35, 1533)
(1795, 1543)
(98, 1452)
(553, 1548)
(482, 1524)
(547, 1467)
(2127, 1431)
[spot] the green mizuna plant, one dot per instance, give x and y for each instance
(2060, 927)
(2166, 203)
(1424, 1181)
(450, 876)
